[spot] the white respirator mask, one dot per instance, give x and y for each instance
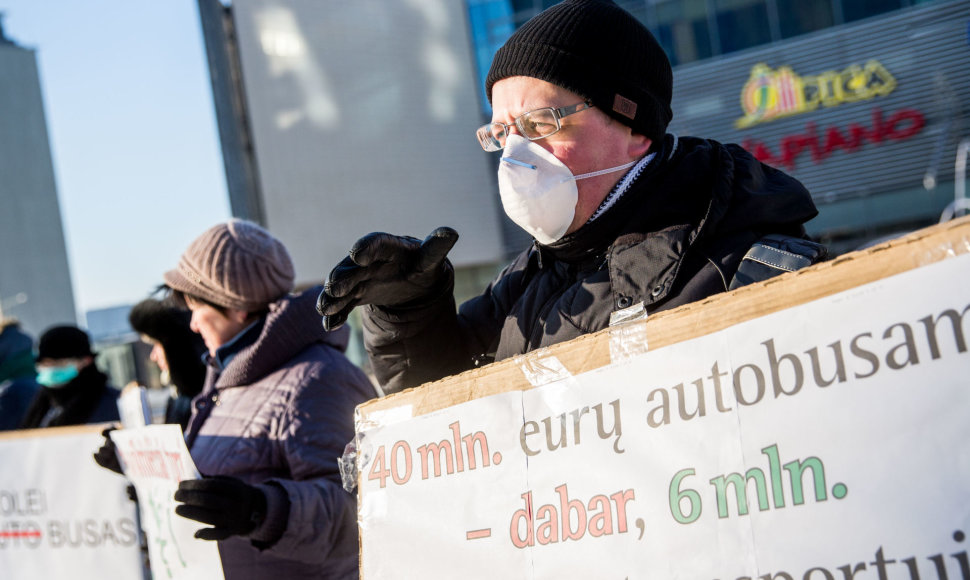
(538, 191)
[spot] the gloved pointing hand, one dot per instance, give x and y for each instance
(232, 507)
(385, 270)
(107, 455)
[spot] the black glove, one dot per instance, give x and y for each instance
(385, 270)
(107, 455)
(232, 507)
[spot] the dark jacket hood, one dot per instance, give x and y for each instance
(14, 344)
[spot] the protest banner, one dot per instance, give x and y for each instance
(61, 515)
(155, 459)
(812, 427)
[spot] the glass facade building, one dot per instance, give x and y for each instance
(690, 30)
(318, 104)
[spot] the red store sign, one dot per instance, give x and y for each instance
(898, 126)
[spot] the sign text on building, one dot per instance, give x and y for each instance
(773, 94)
(821, 143)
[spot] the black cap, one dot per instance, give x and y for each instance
(160, 321)
(598, 50)
(61, 342)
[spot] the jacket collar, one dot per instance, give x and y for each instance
(87, 384)
(291, 326)
(594, 238)
(695, 189)
(228, 351)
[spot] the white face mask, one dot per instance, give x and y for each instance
(538, 191)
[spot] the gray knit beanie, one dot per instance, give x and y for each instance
(599, 51)
(236, 265)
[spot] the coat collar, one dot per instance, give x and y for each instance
(695, 190)
(291, 326)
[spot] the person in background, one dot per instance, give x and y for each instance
(628, 220)
(178, 353)
(74, 391)
(17, 374)
(175, 349)
(274, 415)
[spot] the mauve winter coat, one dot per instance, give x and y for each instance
(279, 416)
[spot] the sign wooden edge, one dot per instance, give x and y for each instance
(56, 431)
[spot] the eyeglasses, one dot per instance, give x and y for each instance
(532, 125)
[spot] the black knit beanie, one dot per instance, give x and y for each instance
(598, 50)
(160, 321)
(60, 342)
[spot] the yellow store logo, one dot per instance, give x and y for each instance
(773, 94)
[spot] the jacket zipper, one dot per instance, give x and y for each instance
(535, 336)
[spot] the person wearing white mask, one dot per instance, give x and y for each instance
(74, 391)
(624, 215)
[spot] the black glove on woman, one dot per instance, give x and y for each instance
(386, 270)
(232, 507)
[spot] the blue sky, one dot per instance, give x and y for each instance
(133, 135)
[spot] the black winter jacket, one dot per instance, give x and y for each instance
(86, 400)
(676, 236)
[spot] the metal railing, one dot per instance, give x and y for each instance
(960, 203)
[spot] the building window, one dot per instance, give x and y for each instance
(682, 30)
(491, 23)
(638, 8)
(525, 9)
(859, 9)
(798, 17)
(742, 24)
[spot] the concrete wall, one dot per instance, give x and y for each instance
(363, 117)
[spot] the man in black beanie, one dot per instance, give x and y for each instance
(627, 219)
(74, 391)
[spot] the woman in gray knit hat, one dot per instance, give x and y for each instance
(274, 415)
